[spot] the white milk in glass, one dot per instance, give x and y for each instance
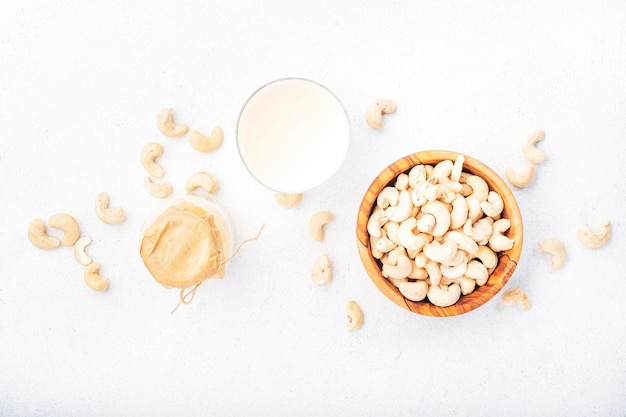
(293, 135)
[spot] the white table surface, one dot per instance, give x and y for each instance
(80, 88)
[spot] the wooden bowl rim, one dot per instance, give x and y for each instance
(507, 259)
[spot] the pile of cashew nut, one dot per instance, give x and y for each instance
(437, 232)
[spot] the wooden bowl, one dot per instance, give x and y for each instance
(507, 259)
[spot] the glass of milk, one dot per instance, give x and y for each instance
(293, 135)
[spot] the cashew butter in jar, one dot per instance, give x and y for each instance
(293, 134)
(186, 242)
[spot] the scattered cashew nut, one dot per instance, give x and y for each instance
(93, 278)
(374, 112)
(203, 143)
(202, 180)
(555, 248)
(355, 315)
(149, 153)
(515, 295)
(160, 190)
(592, 240)
(522, 178)
(322, 270)
(317, 222)
(288, 200)
(532, 154)
(79, 250)
(68, 225)
(38, 236)
(109, 215)
(167, 126)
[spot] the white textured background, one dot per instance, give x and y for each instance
(80, 87)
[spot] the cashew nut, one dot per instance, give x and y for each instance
(462, 241)
(93, 278)
(202, 180)
(397, 281)
(394, 254)
(109, 215)
(322, 271)
(534, 155)
(160, 190)
(515, 295)
(414, 291)
(457, 168)
(417, 175)
(474, 210)
(418, 272)
(468, 285)
(393, 232)
(442, 170)
(459, 212)
(384, 244)
(387, 197)
(401, 269)
(480, 231)
(149, 153)
(38, 236)
(402, 182)
(408, 239)
(79, 250)
(494, 204)
(444, 297)
(459, 257)
(440, 252)
(288, 200)
(455, 271)
(167, 126)
(593, 240)
(203, 143)
(520, 179)
(317, 222)
(420, 260)
(355, 315)
(426, 223)
(68, 225)
(434, 272)
(376, 253)
(376, 222)
(555, 248)
(487, 257)
(402, 210)
(374, 112)
(480, 188)
(478, 272)
(497, 241)
(442, 216)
